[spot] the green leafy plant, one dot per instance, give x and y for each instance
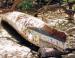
(25, 5)
(65, 1)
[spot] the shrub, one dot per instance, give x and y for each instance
(65, 1)
(25, 5)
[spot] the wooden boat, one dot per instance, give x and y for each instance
(35, 30)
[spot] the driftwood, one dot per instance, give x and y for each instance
(35, 30)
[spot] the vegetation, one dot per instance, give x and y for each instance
(71, 0)
(28, 4)
(25, 4)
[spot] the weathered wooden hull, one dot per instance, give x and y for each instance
(35, 30)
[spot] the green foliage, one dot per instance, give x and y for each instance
(65, 1)
(28, 4)
(25, 5)
(71, 0)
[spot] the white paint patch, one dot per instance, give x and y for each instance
(28, 20)
(30, 37)
(12, 16)
(22, 20)
(49, 49)
(36, 22)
